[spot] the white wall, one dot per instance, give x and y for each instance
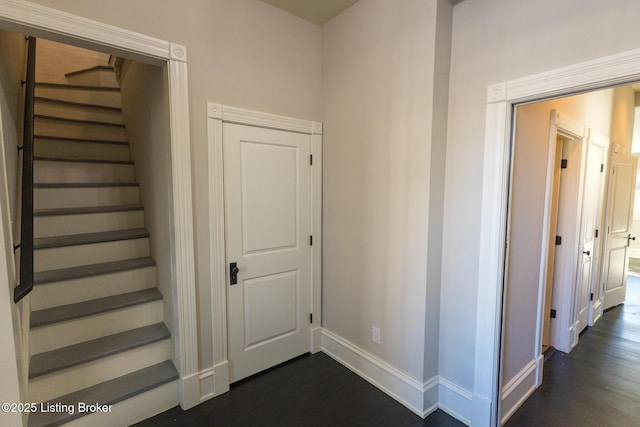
(13, 384)
(145, 109)
(494, 41)
(240, 52)
(382, 137)
(12, 71)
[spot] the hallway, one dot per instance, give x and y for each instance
(597, 383)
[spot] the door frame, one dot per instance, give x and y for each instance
(217, 114)
(41, 21)
(501, 100)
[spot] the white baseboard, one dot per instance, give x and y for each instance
(206, 378)
(214, 381)
(455, 400)
(516, 391)
(420, 398)
(597, 311)
(189, 391)
(316, 339)
(221, 378)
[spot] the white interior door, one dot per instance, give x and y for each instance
(591, 208)
(621, 192)
(268, 209)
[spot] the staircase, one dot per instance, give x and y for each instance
(97, 332)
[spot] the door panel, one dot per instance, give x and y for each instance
(591, 217)
(621, 194)
(268, 210)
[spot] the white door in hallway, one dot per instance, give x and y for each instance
(267, 179)
(621, 194)
(590, 235)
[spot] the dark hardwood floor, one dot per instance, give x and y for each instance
(313, 390)
(598, 383)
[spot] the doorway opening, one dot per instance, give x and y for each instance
(569, 229)
(43, 22)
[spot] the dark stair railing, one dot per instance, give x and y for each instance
(26, 217)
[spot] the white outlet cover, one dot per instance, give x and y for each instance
(375, 335)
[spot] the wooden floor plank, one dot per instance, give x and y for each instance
(598, 383)
(313, 390)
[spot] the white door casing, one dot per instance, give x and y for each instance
(218, 118)
(267, 175)
(622, 181)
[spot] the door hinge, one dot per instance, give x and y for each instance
(591, 297)
(310, 159)
(601, 167)
(558, 240)
(563, 164)
(596, 233)
(310, 317)
(310, 240)
(552, 314)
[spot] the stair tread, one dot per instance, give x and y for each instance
(108, 393)
(90, 69)
(80, 121)
(76, 104)
(77, 87)
(85, 140)
(76, 354)
(84, 184)
(86, 210)
(69, 273)
(76, 310)
(87, 238)
(94, 161)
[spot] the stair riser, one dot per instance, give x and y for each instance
(62, 225)
(63, 129)
(103, 78)
(77, 112)
(87, 288)
(80, 150)
(62, 334)
(46, 171)
(68, 380)
(134, 409)
(98, 97)
(47, 198)
(93, 253)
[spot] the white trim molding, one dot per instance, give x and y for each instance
(501, 98)
(454, 400)
(217, 114)
(419, 397)
(521, 386)
(39, 20)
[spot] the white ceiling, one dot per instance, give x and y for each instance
(316, 11)
(319, 11)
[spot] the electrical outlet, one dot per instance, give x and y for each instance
(375, 335)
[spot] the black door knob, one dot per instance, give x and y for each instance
(233, 273)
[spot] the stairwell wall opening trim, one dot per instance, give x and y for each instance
(41, 21)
